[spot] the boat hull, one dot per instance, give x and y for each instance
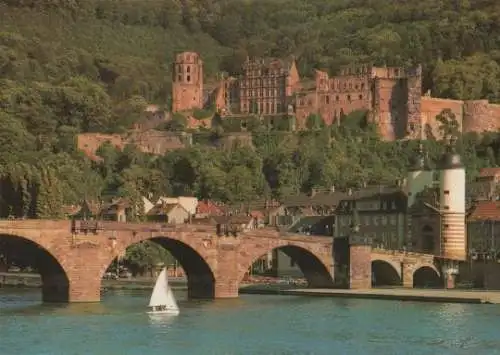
(172, 312)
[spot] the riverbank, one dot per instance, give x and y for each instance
(21, 280)
(395, 294)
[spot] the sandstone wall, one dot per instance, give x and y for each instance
(480, 116)
(432, 107)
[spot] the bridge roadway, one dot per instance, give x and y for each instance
(72, 256)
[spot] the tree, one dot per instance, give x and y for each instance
(449, 127)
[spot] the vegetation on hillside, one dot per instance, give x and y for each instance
(70, 66)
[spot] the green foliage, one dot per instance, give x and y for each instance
(201, 114)
(178, 123)
(141, 257)
(314, 122)
(70, 67)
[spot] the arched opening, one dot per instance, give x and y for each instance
(292, 263)
(427, 277)
(24, 260)
(144, 261)
(384, 274)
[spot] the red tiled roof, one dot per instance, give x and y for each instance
(208, 207)
(489, 172)
(485, 210)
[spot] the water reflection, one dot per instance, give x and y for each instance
(162, 320)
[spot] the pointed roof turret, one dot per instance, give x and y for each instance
(451, 159)
(420, 162)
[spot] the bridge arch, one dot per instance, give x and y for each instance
(386, 272)
(196, 259)
(313, 263)
(427, 276)
(25, 251)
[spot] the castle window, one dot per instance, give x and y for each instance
(327, 99)
(188, 78)
(188, 69)
(179, 77)
(337, 98)
(361, 97)
(362, 86)
(349, 98)
(356, 86)
(446, 192)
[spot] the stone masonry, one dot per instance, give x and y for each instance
(214, 265)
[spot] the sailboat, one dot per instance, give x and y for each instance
(162, 299)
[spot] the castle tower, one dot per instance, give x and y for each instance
(187, 82)
(452, 205)
(419, 176)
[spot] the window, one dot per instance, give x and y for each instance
(188, 78)
(327, 99)
(349, 98)
(188, 69)
(362, 86)
(446, 207)
(267, 107)
(337, 98)
(446, 192)
(446, 226)
(361, 97)
(179, 77)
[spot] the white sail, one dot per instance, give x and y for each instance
(162, 293)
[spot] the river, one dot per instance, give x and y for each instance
(252, 324)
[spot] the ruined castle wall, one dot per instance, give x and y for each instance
(432, 107)
(480, 116)
(90, 142)
(414, 128)
(383, 107)
(305, 104)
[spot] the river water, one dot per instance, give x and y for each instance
(252, 324)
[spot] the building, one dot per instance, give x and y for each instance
(264, 87)
(486, 186)
(383, 215)
(392, 96)
(187, 82)
(188, 203)
(171, 213)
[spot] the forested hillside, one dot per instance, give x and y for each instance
(71, 66)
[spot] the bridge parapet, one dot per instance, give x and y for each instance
(404, 254)
(34, 224)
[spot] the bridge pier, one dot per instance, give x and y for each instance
(407, 275)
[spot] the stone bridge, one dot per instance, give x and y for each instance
(395, 268)
(72, 256)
